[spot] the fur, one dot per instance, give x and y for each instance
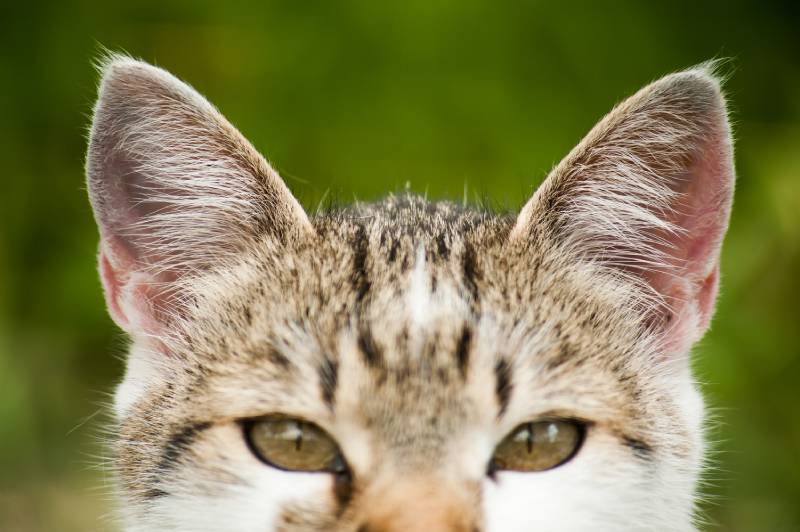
(417, 334)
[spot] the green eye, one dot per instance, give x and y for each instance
(293, 445)
(538, 446)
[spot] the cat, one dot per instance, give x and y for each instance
(408, 365)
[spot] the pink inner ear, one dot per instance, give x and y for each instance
(707, 297)
(690, 283)
(708, 196)
(112, 286)
(132, 294)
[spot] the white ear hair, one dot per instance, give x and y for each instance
(648, 193)
(175, 188)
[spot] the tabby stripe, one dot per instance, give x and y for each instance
(179, 442)
(328, 380)
(371, 353)
(278, 358)
(462, 351)
(469, 270)
(641, 449)
(503, 385)
(441, 245)
(360, 279)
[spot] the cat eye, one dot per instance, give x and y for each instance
(538, 446)
(293, 445)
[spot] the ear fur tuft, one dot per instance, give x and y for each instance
(648, 193)
(175, 188)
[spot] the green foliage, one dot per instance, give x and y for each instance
(455, 98)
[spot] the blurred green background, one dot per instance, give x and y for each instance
(360, 98)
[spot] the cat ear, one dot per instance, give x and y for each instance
(648, 193)
(176, 190)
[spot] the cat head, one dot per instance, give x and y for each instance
(407, 365)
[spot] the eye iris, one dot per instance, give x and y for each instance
(292, 444)
(538, 446)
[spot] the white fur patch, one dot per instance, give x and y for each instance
(143, 369)
(419, 290)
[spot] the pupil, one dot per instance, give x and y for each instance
(529, 440)
(298, 441)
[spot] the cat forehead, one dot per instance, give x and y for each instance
(364, 260)
(414, 294)
(401, 264)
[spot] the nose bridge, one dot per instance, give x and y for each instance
(423, 502)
